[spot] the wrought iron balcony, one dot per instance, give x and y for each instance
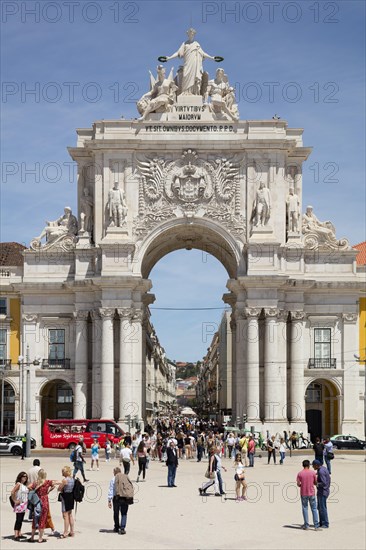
(5, 363)
(56, 364)
(322, 363)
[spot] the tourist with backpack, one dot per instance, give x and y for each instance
(122, 497)
(77, 457)
(66, 496)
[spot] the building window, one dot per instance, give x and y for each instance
(64, 414)
(3, 306)
(322, 341)
(56, 348)
(314, 393)
(64, 395)
(9, 395)
(3, 337)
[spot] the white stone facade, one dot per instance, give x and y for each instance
(190, 175)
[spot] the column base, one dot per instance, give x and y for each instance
(131, 427)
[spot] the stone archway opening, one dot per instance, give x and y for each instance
(56, 400)
(193, 235)
(322, 408)
(220, 256)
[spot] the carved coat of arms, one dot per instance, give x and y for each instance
(190, 187)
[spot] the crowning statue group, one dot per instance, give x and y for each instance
(171, 439)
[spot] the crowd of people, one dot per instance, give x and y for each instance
(171, 439)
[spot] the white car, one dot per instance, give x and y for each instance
(8, 445)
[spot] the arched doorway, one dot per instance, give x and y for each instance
(8, 409)
(56, 400)
(322, 408)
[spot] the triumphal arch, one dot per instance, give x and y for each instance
(186, 173)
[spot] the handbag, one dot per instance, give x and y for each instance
(20, 508)
(209, 475)
(60, 498)
(330, 455)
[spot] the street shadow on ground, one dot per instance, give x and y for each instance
(107, 531)
(296, 526)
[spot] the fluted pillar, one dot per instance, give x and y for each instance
(81, 364)
(271, 380)
(234, 413)
(96, 370)
(281, 388)
(130, 370)
(240, 367)
(107, 364)
(297, 389)
(252, 364)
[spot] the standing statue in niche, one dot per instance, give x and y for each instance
(222, 96)
(161, 95)
(193, 56)
(86, 212)
(262, 206)
(293, 211)
(117, 206)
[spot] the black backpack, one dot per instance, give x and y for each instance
(78, 491)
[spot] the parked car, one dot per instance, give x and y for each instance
(19, 439)
(8, 445)
(347, 442)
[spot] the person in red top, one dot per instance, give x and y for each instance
(42, 487)
(251, 451)
(306, 480)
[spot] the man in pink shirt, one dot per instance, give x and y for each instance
(306, 480)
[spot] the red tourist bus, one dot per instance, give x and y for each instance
(64, 433)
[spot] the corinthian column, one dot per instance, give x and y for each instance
(252, 364)
(297, 390)
(130, 370)
(81, 364)
(107, 364)
(240, 378)
(271, 378)
(281, 394)
(96, 373)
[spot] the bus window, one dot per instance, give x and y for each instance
(114, 429)
(96, 427)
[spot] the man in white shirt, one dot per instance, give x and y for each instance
(126, 457)
(112, 500)
(33, 472)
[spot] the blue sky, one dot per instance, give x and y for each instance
(82, 71)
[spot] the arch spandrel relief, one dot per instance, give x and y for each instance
(190, 186)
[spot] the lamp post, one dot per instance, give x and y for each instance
(27, 363)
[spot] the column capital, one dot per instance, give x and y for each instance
(137, 316)
(282, 315)
(81, 315)
(271, 312)
(106, 312)
(125, 313)
(240, 313)
(349, 318)
(30, 317)
(252, 312)
(297, 315)
(95, 314)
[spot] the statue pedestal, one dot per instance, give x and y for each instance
(116, 232)
(83, 239)
(293, 237)
(262, 233)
